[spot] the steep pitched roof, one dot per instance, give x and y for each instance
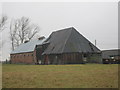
(107, 54)
(28, 47)
(69, 40)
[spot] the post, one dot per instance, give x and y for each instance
(95, 42)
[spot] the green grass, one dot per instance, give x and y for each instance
(0, 75)
(60, 76)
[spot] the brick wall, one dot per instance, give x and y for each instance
(25, 58)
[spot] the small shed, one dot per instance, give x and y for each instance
(111, 56)
(26, 53)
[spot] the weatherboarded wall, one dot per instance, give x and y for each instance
(94, 58)
(71, 58)
(23, 58)
(65, 58)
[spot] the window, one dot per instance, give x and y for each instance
(31, 54)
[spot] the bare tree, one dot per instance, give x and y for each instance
(32, 32)
(22, 30)
(13, 31)
(3, 20)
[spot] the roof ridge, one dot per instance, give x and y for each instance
(63, 29)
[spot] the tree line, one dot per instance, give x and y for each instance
(21, 30)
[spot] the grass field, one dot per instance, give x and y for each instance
(60, 76)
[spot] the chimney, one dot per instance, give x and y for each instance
(26, 41)
(95, 42)
(41, 38)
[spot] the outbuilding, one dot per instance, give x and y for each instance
(26, 53)
(111, 56)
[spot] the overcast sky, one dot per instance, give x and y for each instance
(94, 20)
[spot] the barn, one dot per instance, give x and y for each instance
(111, 56)
(68, 46)
(26, 53)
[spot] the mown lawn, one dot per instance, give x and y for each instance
(60, 76)
(0, 75)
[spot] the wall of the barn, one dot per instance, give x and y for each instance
(23, 58)
(71, 58)
(38, 53)
(35, 57)
(95, 58)
(39, 49)
(66, 58)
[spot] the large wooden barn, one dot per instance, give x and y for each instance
(68, 46)
(65, 46)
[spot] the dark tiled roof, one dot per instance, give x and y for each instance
(69, 40)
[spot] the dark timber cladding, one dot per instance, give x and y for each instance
(68, 46)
